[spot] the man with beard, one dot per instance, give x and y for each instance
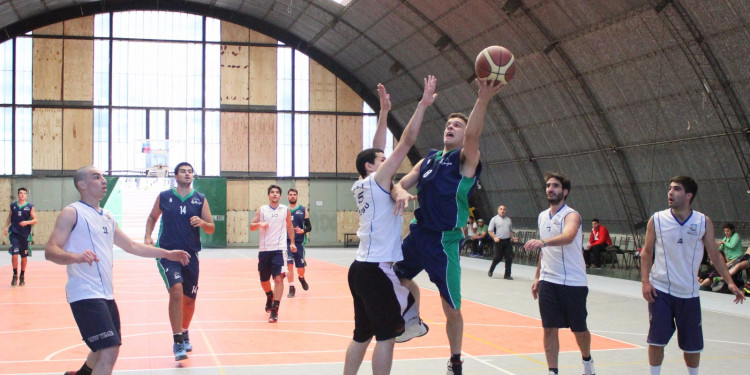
(560, 282)
(302, 226)
(275, 223)
(184, 212)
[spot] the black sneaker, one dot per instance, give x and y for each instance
(489, 273)
(274, 317)
(291, 292)
(304, 283)
(269, 301)
(21, 282)
(14, 281)
(455, 368)
(508, 277)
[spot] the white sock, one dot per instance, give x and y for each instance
(692, 370)
(655, 370)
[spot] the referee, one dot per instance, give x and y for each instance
(501, 231)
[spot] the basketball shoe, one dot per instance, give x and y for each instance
(588, 367)
(455, 368)
(14, 280)
(416, 329)
(186, 341)
(179, 351)
(291, 292)
(274, 317)
(21, 281)
(304, 283)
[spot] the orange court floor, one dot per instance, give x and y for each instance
(230, 332)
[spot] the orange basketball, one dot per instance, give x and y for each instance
(495, 63)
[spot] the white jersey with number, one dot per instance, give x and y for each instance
(94, 230)
(564, 264)
(379, 228)
(274, 237)
(678, 252)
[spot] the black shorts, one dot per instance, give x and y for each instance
(379, 301)
(298, 258)
(563, 306)
(173, 273)
(271, 263)
(18, 245)
(98, 321)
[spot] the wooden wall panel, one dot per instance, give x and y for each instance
(348, 141)
(262, 76)
(322, 88)
(47, 69)
(346, 99)
(262, 142)
(238, 226)
(237, 195)
(256, 37)
(44, 226)
(234, 75)
(78, 138)
(231, 32)
(47, 139)
(322, 149)
(78, 70)
(6, 197)
(234, 136)
(346, 222)
(303, 192)
(54, 29)
(82, 26)
(3, 216)
(259, 193)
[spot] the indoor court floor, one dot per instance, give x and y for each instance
(231, 335)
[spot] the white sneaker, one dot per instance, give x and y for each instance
(415, 330)
(588, 367)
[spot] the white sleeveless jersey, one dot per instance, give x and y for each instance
(379, 229)
(562, 265)
(93, 231)
(678, 251)
(274, 237)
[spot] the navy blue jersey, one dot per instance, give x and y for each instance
(175, 231)
(298, 221)
(443, 191)
(19, 214)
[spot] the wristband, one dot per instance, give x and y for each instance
(544, 243)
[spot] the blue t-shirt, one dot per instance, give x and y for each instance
(298, 221)
(175, 231)
(443, 191)
(19, 214)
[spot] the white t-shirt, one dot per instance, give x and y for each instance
(379, 229)
(678, 252)
(95, 231)
(274, 237)
(564, 264)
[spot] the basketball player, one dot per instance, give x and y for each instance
(20, 219)
(670, 259)
(379, 297)
(560, 283)
(82, 239)
(444, 179)
(275, 223)
(302, 226)
(184, 212)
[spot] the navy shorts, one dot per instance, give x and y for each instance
(379, 301)
(563, 306)
(18, 245)
(98, 321)
(271, 263)
(668, 313)
(436, 253)
(297, 258)
(173, 273)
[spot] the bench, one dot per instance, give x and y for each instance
(350, 239)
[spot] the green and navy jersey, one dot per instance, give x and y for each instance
(175, 231)
(298, 221)
(19, 214)
(443, 191)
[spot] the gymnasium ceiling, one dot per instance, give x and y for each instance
(620, 95)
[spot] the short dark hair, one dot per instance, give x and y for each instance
(22, 188)
(729, 226)
(564, 181)
(274, 187)
(459, 115)
(364, 157)
(184, 163)
(688, 183)
(80, 175)
(292, 190)
(594, 220)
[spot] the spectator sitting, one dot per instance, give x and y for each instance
(706, 278)
(598, 242)
(731, 244)
(740, 264)
(469, 231)
(479, 237)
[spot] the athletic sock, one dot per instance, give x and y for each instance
(177, 337)
(455, 357)
(276, 305)
(15, 271)
(85, 370)
(22, 272)
(655, 370)
(586, 358)
(269, 295)
(692, 370)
